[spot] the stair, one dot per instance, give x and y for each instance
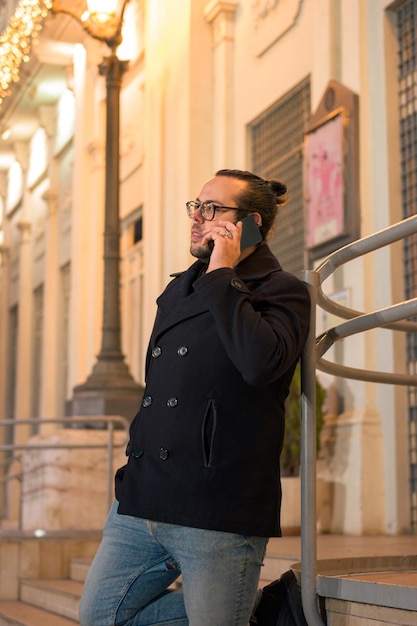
(54, 602)
(15, 613)
(46, 602)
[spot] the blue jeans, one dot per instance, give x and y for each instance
(138, 560)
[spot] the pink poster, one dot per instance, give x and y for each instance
(324, 172)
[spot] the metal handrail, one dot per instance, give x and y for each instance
(388, 318)
(110, 423)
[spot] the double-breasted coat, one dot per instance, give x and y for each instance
(204, 447)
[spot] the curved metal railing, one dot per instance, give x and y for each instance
(391, 318)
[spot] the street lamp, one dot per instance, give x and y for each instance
(110, 388)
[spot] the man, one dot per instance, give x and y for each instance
(200, 494)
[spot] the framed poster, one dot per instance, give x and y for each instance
(324, 152)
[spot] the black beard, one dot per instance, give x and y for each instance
(202, 253)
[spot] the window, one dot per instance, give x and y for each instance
(407, 82)
(137, 230)
(276, 144)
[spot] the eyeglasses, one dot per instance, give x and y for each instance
(208, 209)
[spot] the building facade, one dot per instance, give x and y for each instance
(227, 83)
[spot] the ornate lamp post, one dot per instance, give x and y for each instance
(110, 389)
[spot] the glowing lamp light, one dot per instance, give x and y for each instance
(102, 11)
(17, 39)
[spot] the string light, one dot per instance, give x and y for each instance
(17, 39)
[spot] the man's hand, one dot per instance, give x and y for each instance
(226, 243)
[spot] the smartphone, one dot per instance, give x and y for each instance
(251, 234)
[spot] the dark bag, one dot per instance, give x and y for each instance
(280, 604)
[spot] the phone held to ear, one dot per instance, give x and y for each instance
(251, 234)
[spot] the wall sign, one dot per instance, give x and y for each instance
(331, 182)
(324, 152)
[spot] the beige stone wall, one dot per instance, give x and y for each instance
(202, 71)
(68, 488)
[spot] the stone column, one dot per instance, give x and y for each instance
(221, 16)
(4, 320)
(24, 334)
(49, 394)
(25, 300)
(48, 401)
(4, 302)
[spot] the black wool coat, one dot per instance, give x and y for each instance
(204, 447)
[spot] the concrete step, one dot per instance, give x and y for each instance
(275, 565)
(15, 613)
(47, 602)
(57, 596)
(79, 568)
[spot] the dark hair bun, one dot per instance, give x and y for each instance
(280, 190)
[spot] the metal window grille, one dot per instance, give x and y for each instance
(407, 43)
(276, 139)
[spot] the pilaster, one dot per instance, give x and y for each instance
(221, 16)
(24, 334)
(4, 318)
(50, 370)
(22, 154)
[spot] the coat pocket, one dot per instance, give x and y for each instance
(208, 432)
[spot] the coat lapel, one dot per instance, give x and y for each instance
(179, 300)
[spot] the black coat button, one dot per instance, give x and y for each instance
(163, 454)
(172, 402)
(182, 351)
(156, 352)
(137, 453)
(237, 284)
(147, 401)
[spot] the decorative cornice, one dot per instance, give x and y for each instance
(221, 15)
(24, 226)
(51, 198)
(217, 7)
(21, 151)
(47, 118)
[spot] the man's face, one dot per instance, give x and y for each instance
(222, 191)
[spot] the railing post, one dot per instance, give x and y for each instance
(308, 464)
